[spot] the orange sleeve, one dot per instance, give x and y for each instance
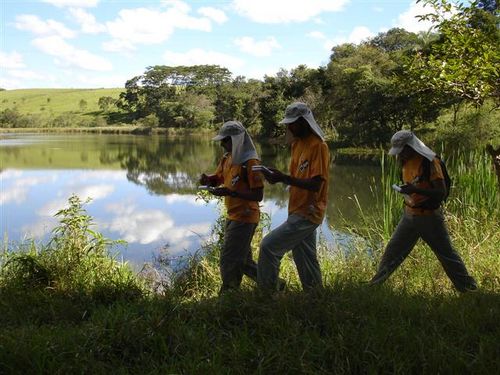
(219, 172)
(320, 159)
(436, 173)
(291, 165)
(254, 178)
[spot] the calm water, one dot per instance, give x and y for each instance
(143, 189)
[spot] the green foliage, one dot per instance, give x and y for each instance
(83, 105)
(464, 62)
(467, 127)
(75, 262)
(55, 321)
(105, 103)
(150, 121)
(45, 108)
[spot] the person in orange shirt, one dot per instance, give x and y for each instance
(242, 189)
(308, 181)
(422, 216)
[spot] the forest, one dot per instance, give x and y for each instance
(443, 83)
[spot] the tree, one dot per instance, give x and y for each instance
(161, 89)
(83, 105)
(465, 61)
(105, 102)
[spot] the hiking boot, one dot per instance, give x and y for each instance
(379, 278)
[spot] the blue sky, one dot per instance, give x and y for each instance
(102, 43)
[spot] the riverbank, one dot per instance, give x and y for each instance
(122, 129)
(415, 323)
(72, 308)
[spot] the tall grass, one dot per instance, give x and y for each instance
(475, 184)
(76, 261)
(414, 323)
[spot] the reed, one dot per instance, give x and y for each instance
(414, 323)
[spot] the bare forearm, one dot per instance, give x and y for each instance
(250, 195)
(434, 193)
(312, 184)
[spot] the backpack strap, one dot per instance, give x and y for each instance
(426, 176)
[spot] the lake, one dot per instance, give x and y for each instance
(144, 189)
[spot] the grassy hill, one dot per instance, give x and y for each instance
(55, 101)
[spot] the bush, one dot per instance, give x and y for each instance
(76, 261)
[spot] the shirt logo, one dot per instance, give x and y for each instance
(235, 180)
(303, 166)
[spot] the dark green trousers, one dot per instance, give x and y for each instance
(236, 256)
(432, 230)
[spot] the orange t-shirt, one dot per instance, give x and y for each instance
(412, 173)
(310, 158)
(236, 178)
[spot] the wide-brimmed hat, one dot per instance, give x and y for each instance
(242, 148)
(404, 138)
(298, 109)
(229, 129)
(399, 140)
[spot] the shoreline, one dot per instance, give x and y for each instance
(128, 129)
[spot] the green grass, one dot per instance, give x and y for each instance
(71, 308)
(55, 101)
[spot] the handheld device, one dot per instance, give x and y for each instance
(397, 188)
(260, 168)
(206, 187)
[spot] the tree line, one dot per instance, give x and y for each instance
(365, 92)
(444, 82)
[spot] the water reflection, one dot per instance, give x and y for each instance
(143, 187)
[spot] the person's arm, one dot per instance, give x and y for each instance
(210, 180)
(436, 191)
(312, 184)
(248, 194)
(216, 178)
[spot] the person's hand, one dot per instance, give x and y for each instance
(274, 176)
(408, 189)
(221, 191)
(206, 180)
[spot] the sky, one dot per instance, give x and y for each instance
(103, 43)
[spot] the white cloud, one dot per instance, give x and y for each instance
(149, 225)
(104, 175)
(280, 11)
(214, 14)
(18, 191)
(357, 35)
(147, 26)
(87, 21)
(106, 80)
(26, 74)
(184, 198)
(408, 20)
(67, 55)
(316, 35)
(73, 3)
(13, 195)
(253, 47)
(95, 192)
(83, 192)
(13, 60)
(32, 23)
(40, 228)
(118, 45)
(199, 56)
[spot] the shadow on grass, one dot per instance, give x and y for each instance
(346, 328)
